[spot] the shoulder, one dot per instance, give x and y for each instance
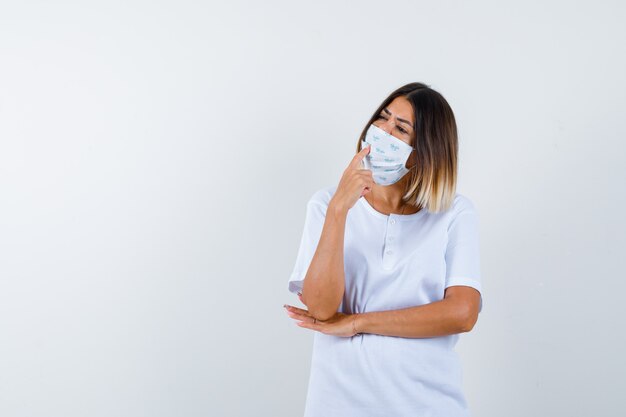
(462, 203)
(462, 212)
(323, 195)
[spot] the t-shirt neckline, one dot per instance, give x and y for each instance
(377, 213)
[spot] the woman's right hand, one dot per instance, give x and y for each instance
(355, 182)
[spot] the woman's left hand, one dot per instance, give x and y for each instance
(340, 324)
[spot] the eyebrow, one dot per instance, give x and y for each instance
(399, 119)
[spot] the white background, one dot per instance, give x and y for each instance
(156, 159)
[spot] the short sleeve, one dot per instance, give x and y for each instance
(313, 224)
(463, 252)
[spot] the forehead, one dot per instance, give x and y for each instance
(400, 107)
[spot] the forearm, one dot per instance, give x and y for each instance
(439, 318)
(324, 282)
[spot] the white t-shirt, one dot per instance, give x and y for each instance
(391, 262)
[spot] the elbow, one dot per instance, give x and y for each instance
(467, 321)
(463, 316)
(321, 304)
(319, 308)
(322, 314)
(465, 327)
(322, 311)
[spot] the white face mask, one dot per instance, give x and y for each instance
(387, 157)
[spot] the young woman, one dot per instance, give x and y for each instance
(388, 267)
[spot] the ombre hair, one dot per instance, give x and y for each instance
(432, 181)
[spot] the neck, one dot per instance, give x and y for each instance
(389, 196)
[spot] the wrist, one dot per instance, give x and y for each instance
(356, 324)
(337, 208)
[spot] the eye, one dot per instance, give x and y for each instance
(401, 130)
(380, 116)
